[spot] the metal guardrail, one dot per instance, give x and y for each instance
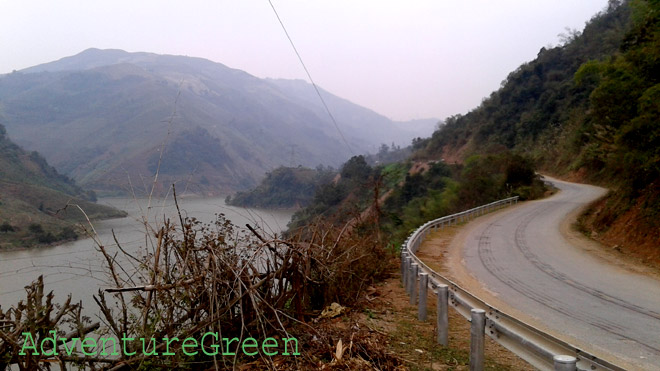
(540, 349)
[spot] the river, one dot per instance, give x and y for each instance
(77, 267)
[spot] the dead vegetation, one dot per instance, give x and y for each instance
(193, 278)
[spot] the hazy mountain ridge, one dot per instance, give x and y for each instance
(102, 117)
(353, 116)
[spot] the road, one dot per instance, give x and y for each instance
(519, 260)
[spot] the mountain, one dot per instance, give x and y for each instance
(373, 128)
(111, 120)
(587, 110)
(34, 199)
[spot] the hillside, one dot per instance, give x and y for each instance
(33, 200)
(103, 116)
(359, 121)
(585, 110)
(284, 187)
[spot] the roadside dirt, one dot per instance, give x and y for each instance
(382, 333)
(611, 255)
(414, 342)
(614, 247)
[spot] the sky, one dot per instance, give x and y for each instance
(405, 59)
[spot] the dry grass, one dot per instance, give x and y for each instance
(415, 342)
(434, 252)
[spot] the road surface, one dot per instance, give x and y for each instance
(519, 260)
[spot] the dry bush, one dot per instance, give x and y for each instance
(342, 261)
(193, 278)
(39, 316)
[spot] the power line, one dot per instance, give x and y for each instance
(318, 92)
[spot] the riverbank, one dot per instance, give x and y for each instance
(53, 221)
(75, 267)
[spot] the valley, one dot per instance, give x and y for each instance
(109, 118)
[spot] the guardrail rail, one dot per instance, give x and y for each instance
(540, 349)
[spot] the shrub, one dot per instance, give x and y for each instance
(36, 228)
(6, 227)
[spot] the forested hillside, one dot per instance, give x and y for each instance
(34, 199)
(399, 197)
(588, 110)
(284, 187)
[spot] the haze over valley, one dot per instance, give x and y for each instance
(103, 116)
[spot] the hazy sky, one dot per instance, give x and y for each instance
(404, 59)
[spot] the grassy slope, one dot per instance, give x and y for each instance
(32, 192)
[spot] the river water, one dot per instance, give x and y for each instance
(77, 267)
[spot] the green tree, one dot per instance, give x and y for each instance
(356, 169)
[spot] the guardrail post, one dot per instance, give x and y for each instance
(403, 266)
(478, 319)
(413, 283)
(408, 273)
(565, 363)
(423, 287)
(443, 315)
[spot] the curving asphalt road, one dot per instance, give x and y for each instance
(520, 258)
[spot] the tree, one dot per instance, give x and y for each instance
(384, 148)
(356, 169)
(67, 233)
(36, 228)
(6, 227)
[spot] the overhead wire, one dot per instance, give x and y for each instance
(309, 75)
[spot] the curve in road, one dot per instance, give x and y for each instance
(521, 261)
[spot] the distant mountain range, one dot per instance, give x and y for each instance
(110, 120)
